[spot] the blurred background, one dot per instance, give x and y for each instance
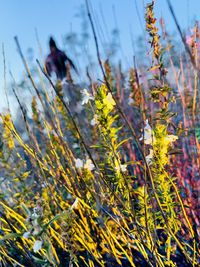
(119, 24)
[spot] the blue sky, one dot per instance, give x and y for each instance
(60, 17)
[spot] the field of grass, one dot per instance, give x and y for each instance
(106, 175)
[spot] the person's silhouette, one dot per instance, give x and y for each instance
(56, 61)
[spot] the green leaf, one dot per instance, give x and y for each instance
(10, 236)
(122, 142)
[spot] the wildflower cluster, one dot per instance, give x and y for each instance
(105, 104)
(153, 30)
(7, 130)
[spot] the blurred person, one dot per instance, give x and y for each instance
(56, 61)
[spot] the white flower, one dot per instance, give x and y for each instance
(64, 81)
(130, 101)
(148, 134)
(35, 215)
(171, 138)
(89, 165)
(78, 163)
(86, 96)
(26, 234)
(121, 167)
(75, 204)
(37, 230)
(69, 196)
(94, 121)
(37, 245)
(149, 157)
(67, 100)
(78, 107)
(75, 145)
(35, 223)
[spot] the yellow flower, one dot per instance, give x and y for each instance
(7, 134)
(109, 101)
